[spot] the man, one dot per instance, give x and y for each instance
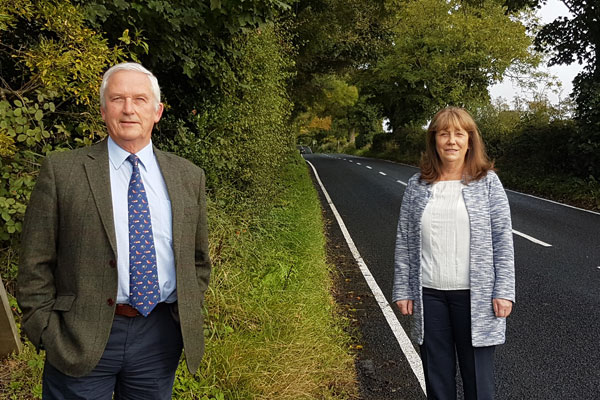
(114, 261)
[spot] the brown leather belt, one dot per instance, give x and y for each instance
(126, 310)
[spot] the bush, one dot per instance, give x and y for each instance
(52, 66)
(241, 137)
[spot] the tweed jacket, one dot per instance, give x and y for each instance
(67, 282)
(491, 259)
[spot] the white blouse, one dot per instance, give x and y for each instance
(445, 238)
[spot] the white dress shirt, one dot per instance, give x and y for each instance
(445, 238)
(160, 212)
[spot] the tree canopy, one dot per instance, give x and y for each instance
(450, 57)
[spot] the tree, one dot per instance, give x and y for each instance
(449, 57)
(190, 43)
(578, 39)
(333, 37)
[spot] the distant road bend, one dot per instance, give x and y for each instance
(552, 349)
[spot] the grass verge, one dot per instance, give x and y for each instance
(272, 327)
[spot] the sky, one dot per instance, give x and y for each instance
(565, 73)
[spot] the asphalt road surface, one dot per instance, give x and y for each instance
(553, 337)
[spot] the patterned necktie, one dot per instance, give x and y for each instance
(144, 292)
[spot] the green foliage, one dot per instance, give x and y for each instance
(24, 373)
(191, 43)
(578, 39)
(241, 138)
(333, 37)
(449, 57)
(260, 347)
(367, 120)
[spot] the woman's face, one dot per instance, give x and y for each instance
(452, 144)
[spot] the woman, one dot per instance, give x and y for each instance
(454, 263)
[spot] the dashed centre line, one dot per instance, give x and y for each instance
(402, 182)
(532, 239)
(382, 173)
(368, 166)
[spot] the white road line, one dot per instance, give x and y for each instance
(369, 167)
(405, 344)
(350, 161)
(552, 201)
(382, 173)
(404, 183)
(531, 238)
(358, 163)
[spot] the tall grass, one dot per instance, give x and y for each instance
(271, 325)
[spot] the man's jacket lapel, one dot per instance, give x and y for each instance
(98, 174)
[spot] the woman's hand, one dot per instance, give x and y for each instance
(405, 306)
(502, 307)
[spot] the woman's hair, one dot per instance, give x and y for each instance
(477, 163)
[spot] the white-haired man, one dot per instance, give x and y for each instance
(114, 260)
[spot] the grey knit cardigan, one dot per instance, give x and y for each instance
(492, 272)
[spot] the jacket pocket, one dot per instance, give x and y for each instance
(63, 302)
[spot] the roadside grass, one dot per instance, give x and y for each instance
(272, 327)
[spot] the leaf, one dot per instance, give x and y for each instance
(125, 37)
(214, 4)
(39, 115)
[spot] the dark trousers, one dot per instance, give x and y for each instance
(139, 362)
(447, 317)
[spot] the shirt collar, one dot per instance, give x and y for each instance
(118, 155)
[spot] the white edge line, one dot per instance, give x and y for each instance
(382, 173)
(531, 238)
(552, 201)
(405, 344)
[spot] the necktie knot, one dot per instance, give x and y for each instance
(133, 159)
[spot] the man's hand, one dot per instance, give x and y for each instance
(502, 307)
(405, 306)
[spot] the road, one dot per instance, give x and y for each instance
(553, 336)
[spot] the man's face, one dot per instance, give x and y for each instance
(129, 111)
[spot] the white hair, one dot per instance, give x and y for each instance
(130, 66)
